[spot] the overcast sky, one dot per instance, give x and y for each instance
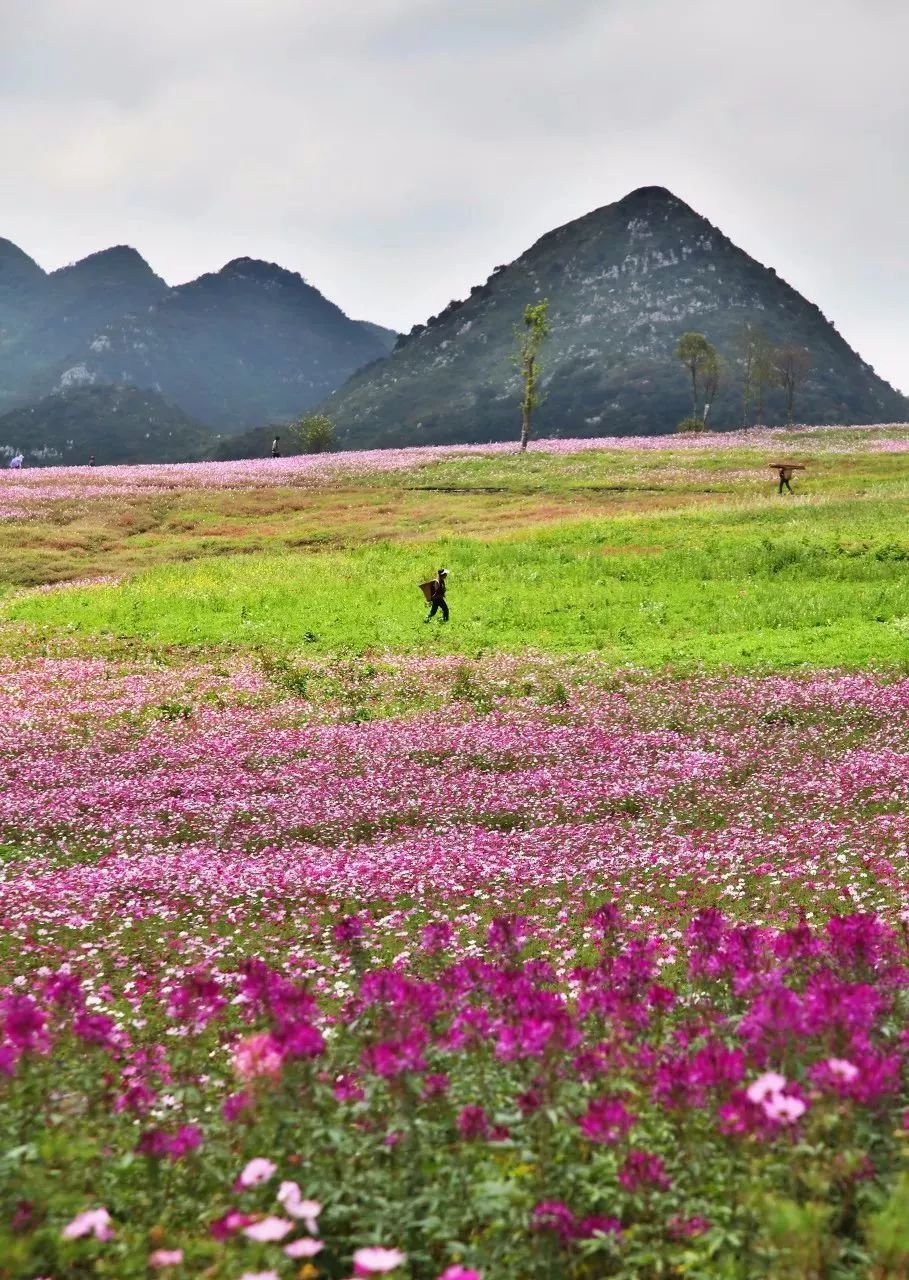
(395, 151)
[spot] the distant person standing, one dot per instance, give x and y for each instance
(276, 447)
(437, 598)
(91, 459)
(16, 461)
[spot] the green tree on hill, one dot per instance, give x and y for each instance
(316, 433)
(757, 372)
(530, 339)
(702, 363)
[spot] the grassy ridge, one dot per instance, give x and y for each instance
(746, 584)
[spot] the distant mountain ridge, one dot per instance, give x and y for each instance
(248, 344)
(624, 282)
(115, 424)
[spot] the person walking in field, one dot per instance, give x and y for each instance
(785, 471)
(276, 447)
(16, 461)
(437, 597)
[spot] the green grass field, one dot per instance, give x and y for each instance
(648, 558)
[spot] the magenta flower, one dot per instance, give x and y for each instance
(555, 1216)
(229, 1224)
(473, 1122)
(606, 1120)
(642, 1170)
(349, 929)
(457, 1272)
(597, 1224)
(686, 1228)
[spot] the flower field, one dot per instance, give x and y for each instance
(433, 967)
(26, 494)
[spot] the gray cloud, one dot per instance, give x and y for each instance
(394, 151)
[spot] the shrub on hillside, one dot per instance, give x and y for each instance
(316, 433)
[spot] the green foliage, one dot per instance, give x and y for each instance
(691, 425)
(748, 587)
(316, 433)
(888, 1233)
(529, 341)
(701, 361)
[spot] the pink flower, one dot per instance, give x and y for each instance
(166, 1258)
(257, 1055)
(457, 1272)
(784, 1109)
(289, 1196)
(229, 1224)
(257, 1171)
(374, 1260)
(841, 1069)
(765, 1086)
(303, 1248)
(260, 1275)
(268, 1229)
(94, 1222)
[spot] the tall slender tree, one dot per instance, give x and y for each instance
(698, 356)
(762, 372)
(711, 374)
(791, 366)
(747, 363)
(530, 338)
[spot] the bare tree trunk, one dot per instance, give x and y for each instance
(790, 396)
(527, 403)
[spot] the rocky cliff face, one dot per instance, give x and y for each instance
(624, 283)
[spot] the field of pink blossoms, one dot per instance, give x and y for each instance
(515, 969)
(31, 492)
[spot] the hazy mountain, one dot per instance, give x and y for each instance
(624, 283)
(116, 424)
(249, 344)
(20, 278)
(388, 337)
